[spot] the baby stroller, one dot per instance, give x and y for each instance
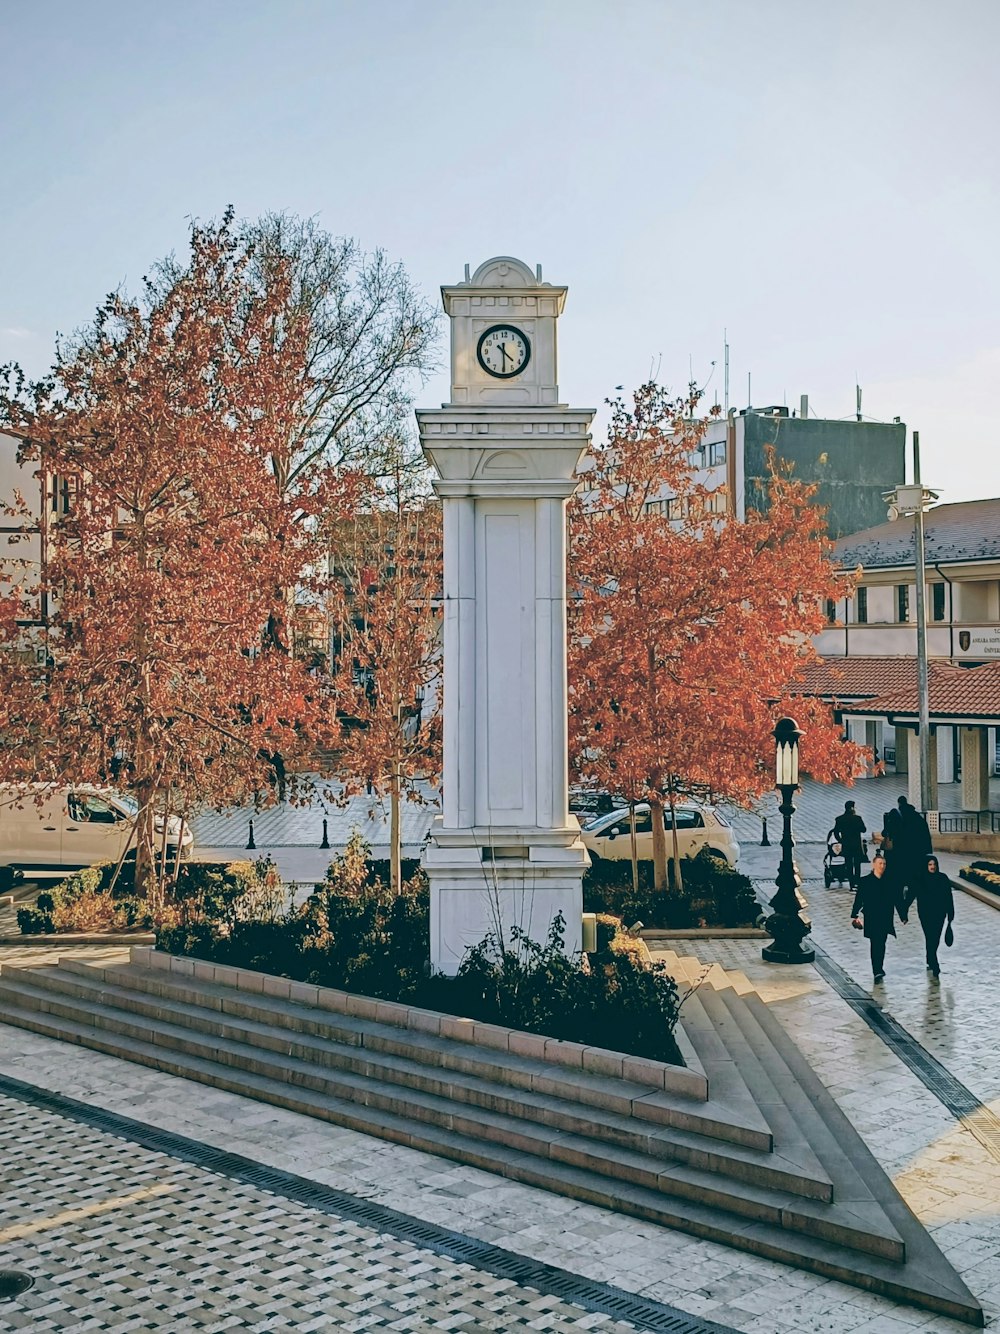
(834, 863)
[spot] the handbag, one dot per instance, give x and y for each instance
(949, 935)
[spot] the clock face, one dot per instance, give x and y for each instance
(503, 351)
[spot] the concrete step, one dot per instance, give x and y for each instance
(74, 996)
(436, 1109)
(729, 1088)
(799, 1110)
(795, 1125)
(604, 1088)
(713, 1118)
(781, 1240)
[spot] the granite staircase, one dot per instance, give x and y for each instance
(744, 1146)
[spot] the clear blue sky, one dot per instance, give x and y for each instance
(822, 179)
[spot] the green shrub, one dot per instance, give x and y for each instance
(353, 933)
(32, 923)
(615, 1001)
(714, 895)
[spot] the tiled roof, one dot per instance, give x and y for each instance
(858, 678)
(969, 530)
(953, 692)
(889, 686)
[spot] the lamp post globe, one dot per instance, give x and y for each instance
(786, 924)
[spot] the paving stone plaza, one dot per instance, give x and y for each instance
(119, 1235)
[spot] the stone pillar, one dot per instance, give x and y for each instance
(946, 755)
(902, 750)
(505, 851)
(913, 747)
(975, 768)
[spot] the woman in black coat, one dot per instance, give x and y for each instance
(891, 843)
(935, 906)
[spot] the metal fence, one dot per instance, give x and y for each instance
(969, 822)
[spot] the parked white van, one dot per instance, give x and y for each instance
(48, 829)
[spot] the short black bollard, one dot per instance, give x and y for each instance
(251, 845)
(765, 842)
(326, 837)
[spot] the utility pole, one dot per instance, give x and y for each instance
(922, 683)
(913, 500)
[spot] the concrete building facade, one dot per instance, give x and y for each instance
(870, 648)
(851, 462)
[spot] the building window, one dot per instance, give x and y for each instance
(937, 602)
(831, 611)
(861, 605)
(62, 493)
(656, 506)
(717, 454)
(902, 603)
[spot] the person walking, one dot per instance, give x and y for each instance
(876, 903)
(935, 906)
(914, 846)
(890, 839)
(849, 829)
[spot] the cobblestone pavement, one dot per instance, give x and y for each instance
(818, 805)
(122, 1238)
(301, 826)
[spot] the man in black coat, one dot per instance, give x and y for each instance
(849, 829)
(878, 899)
(914, 845)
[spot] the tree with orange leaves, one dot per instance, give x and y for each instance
(689, 632)
(163, 663)
(389, 653)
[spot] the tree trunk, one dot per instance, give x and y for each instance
(659, 845)
(121, 859)
(634, 848)
(395, 835)
(161, 868)
(678, 874)
(145, 850)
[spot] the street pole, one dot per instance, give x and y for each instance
(922, 684)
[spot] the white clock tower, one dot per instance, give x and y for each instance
(505, 851)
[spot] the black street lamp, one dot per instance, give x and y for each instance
(786, 925)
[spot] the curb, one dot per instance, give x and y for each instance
(976, 892)
(56, 940)
(704, 933)
(574, 1055)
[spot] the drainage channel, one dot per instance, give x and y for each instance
(597, 1298)
(960, 1101)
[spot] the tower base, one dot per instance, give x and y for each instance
(484, 882)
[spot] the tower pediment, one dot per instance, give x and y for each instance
(504, 271)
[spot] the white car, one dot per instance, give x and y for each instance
(698, 827)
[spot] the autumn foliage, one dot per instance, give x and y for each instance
(160, 655)
(688, 634)
(389, 657)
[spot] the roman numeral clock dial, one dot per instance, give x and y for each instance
(503, 351)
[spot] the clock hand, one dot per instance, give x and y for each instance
(504, 353)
